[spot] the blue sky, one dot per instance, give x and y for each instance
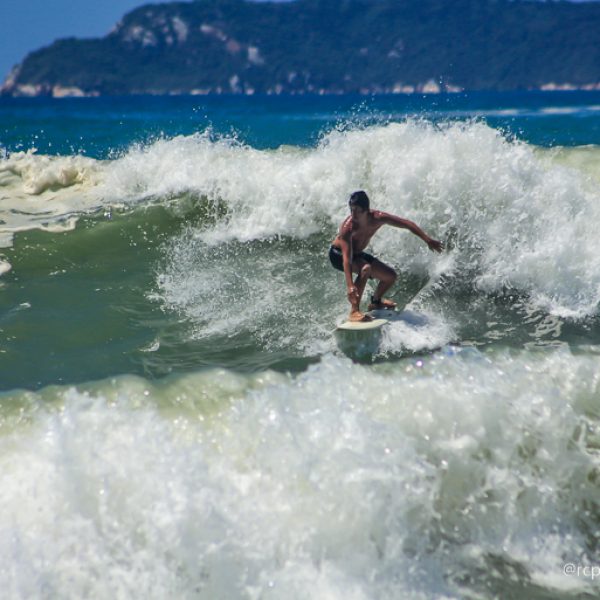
(27, 25)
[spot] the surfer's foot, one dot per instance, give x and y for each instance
(356, 315)
(381, 304)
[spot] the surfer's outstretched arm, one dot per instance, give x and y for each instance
(394, 221)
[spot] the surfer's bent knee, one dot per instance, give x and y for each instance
(386, 273)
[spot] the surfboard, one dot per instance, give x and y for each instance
(361, 340)
(379, 318)
(362, 325)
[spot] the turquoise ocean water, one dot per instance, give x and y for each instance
(177, 417)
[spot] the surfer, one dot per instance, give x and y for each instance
(347, 253)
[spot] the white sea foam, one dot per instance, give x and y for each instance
(44, 192)
(416, 332)
(584, 159)
(562, 110)
(400, 481)
(256, 289)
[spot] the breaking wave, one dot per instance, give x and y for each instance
(513, 217)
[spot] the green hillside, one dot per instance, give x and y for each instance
(325, 46)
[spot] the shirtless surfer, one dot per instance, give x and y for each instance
(347, 253)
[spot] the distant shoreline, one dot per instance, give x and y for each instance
(429, 88)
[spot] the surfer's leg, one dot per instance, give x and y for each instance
(386, 276)
(363, 270)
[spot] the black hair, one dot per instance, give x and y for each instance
(359, 198)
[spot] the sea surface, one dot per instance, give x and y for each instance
(178, 417)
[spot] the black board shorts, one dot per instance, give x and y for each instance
(337, 259)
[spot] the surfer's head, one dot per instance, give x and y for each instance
(359, 199)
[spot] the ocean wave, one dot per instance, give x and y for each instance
(513, 217)
(435, 479)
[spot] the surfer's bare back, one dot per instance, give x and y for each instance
(347, 253)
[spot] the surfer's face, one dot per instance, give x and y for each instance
(357, 213)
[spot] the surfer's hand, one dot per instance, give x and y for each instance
(435, 245)
(352, 295)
